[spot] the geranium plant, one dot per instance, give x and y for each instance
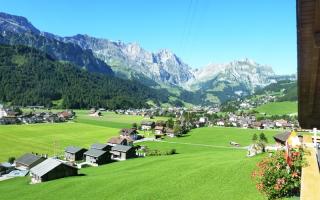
(279, 175)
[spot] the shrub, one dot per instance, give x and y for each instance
(254, 138)
(11, 160)
(278, 177)
(134, 125)
(156, 152)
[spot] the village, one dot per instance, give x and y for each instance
(126, 145)
(16, 116)
(194, 117)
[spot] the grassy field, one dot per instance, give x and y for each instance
(205, 166)
(110, 119)
(41, 138)
(279, 108)
(16, 140)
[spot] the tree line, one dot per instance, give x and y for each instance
(31, 77)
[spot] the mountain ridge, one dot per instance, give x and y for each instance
(17, 30)
(162, 69)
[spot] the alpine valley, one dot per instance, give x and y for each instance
(161, 72)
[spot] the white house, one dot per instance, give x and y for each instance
(203, 119)
(3, 112)
(220, 123)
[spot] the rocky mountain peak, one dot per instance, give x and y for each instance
(16, 24)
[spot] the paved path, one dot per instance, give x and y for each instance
(192, 144)
(3, 178)
(146, 140)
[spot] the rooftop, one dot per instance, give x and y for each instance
(46, 166)
(28, 159)
(121, 148)
(95, 152)
(98, 146)
(73, 149)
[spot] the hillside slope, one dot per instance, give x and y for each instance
(196, 172)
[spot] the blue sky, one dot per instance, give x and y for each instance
(198, 31)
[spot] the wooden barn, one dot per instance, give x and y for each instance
(28, 160)
(102, 147)
(122, 152)
(51, 169)
(120, 140)
(73, 153)
(97, 157)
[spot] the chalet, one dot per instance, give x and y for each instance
(51, 169)
(281, 138)
(96, 114)
(281, 123)
(5, 168)
(3, 112)
(130, 132)
(203, 120)
(99, 146)
(67, 114)
(267, 124)
(147, 125)
(92, 111)
(122, 152)
(170, 132)
(256, 125)
(220, 123)
(120, 140)
(97, 157)
(158, 130)
(28, 160)
(73, 153)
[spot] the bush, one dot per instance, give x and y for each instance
(156, 152)
(172, 151)
(11, 160)
(279, 177)
(134, 125)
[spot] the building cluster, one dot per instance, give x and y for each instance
(41, 168)
(159, 128)
(169, 112)
(12, 116)
(250, 121)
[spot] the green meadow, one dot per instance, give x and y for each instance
(47, 138)
(205, 166)
(279, 108)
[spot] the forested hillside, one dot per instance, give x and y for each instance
(287, 87)
(31, 77)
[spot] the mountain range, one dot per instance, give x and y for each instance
(214, 83)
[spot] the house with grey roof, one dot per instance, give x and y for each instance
(51, 169)
(147, 125)
(122, 152)
(28, 160)
(96, 156)
(73, 153)
(5, 168)
(99, 146)
(281, 138)
(129, 132)
(123, 140)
